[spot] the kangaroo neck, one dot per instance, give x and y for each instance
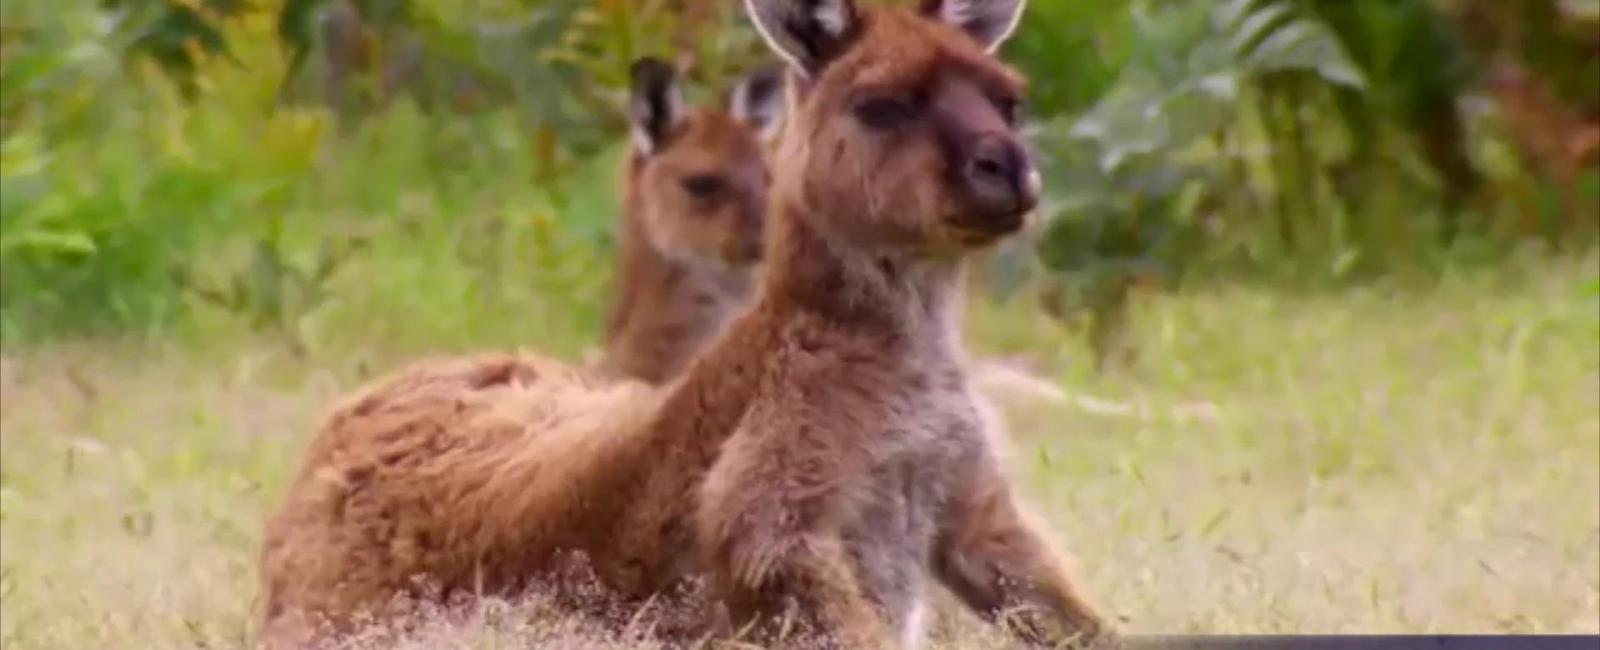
(893, 292)
(664, 309)
(900, 304)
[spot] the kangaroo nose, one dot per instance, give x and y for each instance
(991, 161)
(1000, 179)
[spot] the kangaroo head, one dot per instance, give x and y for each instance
(904, 126)
(698, 178)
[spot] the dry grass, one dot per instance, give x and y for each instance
(1374, 460)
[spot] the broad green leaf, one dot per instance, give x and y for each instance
(1256, 27)
(1306, 45)
(50, 241)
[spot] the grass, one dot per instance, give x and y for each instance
(1387, 458)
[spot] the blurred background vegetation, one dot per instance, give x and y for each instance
(435, 172)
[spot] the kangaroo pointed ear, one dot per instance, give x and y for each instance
(806, 33)
(990, 22)
(757, 99)
(655, 104)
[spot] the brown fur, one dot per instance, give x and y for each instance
(667, 308)
(407, 478)
(819, 463)
(686, 261)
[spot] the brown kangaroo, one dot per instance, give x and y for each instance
(819, 463)
(861, 462)
(694, 191)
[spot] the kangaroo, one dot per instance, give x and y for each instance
(821, 463)
(694, 191)
(861, 463)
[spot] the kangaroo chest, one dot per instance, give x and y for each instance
(924, 448)
(919, 448)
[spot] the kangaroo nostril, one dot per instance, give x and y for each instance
(999, 181)
(990, 158)
(984, 166)
(994, 161)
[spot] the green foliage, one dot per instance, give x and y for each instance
(1119, 172)
(71, 233)
(1557, 39)
(177, 34)
(1148, 177)
(1065, 51)
(291, 162)
(130, 208)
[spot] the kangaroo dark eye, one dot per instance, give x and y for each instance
(884, 112)
(702, 186)
(1010, 109)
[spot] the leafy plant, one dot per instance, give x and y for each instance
(176, 34)
(1150, 174)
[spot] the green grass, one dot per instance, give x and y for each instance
(1389, 458)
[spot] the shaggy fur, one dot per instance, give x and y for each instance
(410, 478)
(694, 191)
(820, 463)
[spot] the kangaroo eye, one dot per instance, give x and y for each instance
(1010, 108)
(702, 186)
(884, 112)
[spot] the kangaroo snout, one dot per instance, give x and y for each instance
(1000, 179)
(998, 184)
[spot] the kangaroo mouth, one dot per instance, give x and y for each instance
(977, 230)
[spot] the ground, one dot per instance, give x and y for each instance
(1390, 459)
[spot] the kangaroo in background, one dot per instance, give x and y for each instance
(694, 190)
(820, 463)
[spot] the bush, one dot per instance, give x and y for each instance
(431, 171)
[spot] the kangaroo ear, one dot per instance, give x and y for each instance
(806, 33)
(990, 22)
(655, 104)
(757, 99)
